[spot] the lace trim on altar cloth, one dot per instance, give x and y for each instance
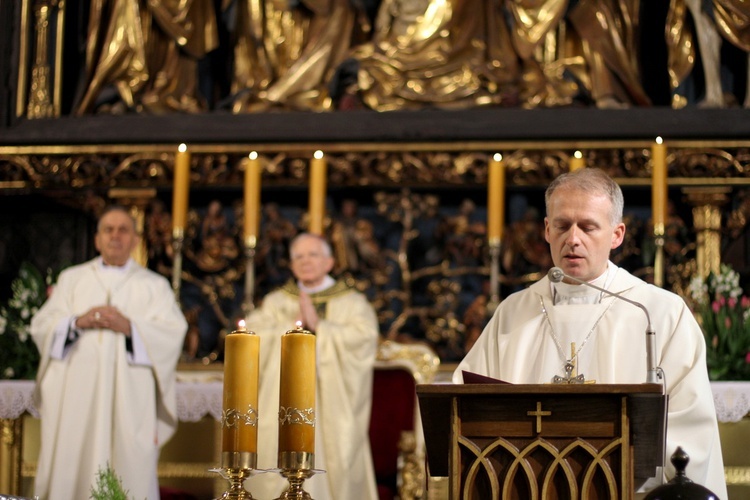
(732, 400)
(197, 396)
(16, 398)
(197, 399)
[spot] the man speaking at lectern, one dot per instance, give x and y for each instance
(535, 334)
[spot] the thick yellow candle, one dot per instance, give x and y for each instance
(252, 197)
(577, 161)
(297, 392)
(495, 199)
(659, 185)
(316, 210)
(181, 187)
(239, 423)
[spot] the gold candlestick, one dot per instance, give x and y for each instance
(252, 197)
(178, 240)
(494, 277)
(236, 475)
(576, 162)
(239, 419)
(181, 191)
(180, 195)
(253, 173)
(296, 459)
(495, 224)
(296, 477)
(495, 199)
(659, 204)
(317, 203)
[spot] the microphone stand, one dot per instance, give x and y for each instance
(653, 375)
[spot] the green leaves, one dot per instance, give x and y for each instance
(108, 486)
(19, 357)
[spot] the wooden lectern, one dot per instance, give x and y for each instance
(502, 441)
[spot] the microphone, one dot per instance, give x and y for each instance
(556, 275)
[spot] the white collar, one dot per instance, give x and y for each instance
(327, 283)
(107, 268)
(566, 293)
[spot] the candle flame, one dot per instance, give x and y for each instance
(578, 154)
(253, 155)
(298, 324)
(659, 140)
(497, 157)
(318, 154)
(182, 148)
(241, 324)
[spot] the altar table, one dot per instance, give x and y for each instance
(199, 395)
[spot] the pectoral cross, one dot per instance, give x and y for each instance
(570, 377)
(571, 370)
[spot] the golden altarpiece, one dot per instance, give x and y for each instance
(407, 175)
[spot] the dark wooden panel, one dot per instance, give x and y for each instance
(398, 126)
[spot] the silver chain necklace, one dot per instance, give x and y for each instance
(569, 363)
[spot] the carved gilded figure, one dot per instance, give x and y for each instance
(353, 242)
(143, 56)
(573, 50)
(286, 52)
(713, 21)
(442, 53)
(527, 53)
(534, 29)
(609, 32)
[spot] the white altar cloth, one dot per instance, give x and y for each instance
(732, 400)
(200, 394)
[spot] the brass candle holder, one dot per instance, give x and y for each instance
(250, 244)
(296, 452)
(494, 301)
(239, 417)
(295, 467)
(236, 466)
(659, 255)
(178, 240)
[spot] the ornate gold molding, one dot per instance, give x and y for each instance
(707, 203)
(370, 165)
(737, 476)
(40, 104)
(11, 445)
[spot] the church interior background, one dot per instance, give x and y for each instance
(409, 100)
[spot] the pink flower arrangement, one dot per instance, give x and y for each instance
(724, 315)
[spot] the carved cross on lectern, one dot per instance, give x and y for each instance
(539, 413)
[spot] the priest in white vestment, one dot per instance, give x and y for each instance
(110, 336)
(532, 333)
(346, 330)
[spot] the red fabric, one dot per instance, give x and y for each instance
(173, 494)
(393, 405)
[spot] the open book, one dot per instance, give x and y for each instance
(475, 378)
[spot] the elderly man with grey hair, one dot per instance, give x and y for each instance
(346, 330)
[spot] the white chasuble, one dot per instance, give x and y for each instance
(97, 406)
(517, 346)
(574, 330)
(346, 346)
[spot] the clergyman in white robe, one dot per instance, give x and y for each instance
(101, 403)
(346, 345)
(523, 341)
